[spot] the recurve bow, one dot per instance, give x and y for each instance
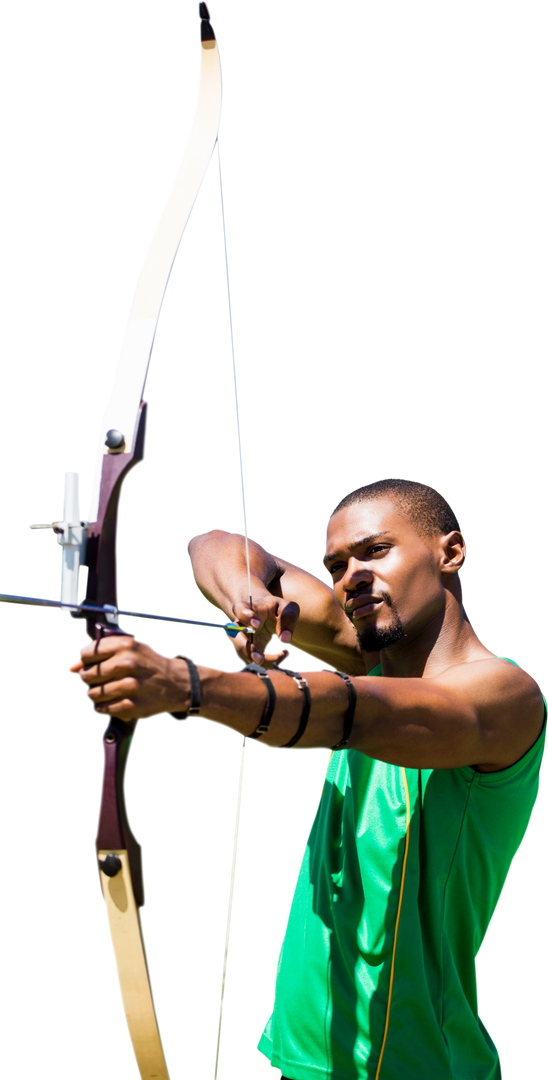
(90, 572)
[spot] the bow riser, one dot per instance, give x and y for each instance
(114, 832)
(118, 852)
(101, 544)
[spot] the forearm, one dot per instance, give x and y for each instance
(219, 565)
(237, 700)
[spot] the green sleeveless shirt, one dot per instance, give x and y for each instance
(402, 873)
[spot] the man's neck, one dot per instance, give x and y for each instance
(433, 650)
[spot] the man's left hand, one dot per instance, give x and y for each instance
(129, 680)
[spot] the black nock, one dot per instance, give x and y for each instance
(110, 866)
(207, 29)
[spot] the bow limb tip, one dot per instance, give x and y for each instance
(208, 34)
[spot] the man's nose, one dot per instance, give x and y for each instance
(357, 573)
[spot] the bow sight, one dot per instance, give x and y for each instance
(70, 536)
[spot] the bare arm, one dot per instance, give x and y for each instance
(486, 714)
(287, 601)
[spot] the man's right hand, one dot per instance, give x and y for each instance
(287, 601)
(270, 615)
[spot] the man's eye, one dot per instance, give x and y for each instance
(378, 547)
(337, 566)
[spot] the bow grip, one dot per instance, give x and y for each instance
(114, 827)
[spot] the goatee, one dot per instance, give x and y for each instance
(372, 639)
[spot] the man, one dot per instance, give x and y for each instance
(427, 795)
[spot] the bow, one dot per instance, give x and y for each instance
(89, 561)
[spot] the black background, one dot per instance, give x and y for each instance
(385, 296)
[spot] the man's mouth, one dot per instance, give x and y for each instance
(365, 609)
(362, 605)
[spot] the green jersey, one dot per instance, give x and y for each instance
(402, 873)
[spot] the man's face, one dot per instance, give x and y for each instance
(385, 576)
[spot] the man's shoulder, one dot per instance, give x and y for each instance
(508, 701)
(492, 673)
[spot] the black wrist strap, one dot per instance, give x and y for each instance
(303, 686)
(350, 711)
(269, 707)
(195, 690)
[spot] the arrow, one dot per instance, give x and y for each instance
(111, 613)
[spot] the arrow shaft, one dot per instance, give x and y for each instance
(35, 601)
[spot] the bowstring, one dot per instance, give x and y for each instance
(242, 486)
(242, 753)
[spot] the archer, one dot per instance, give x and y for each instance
(427, 796)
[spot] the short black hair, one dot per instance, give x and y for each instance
(429, 510)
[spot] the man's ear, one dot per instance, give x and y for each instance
(452, 552)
